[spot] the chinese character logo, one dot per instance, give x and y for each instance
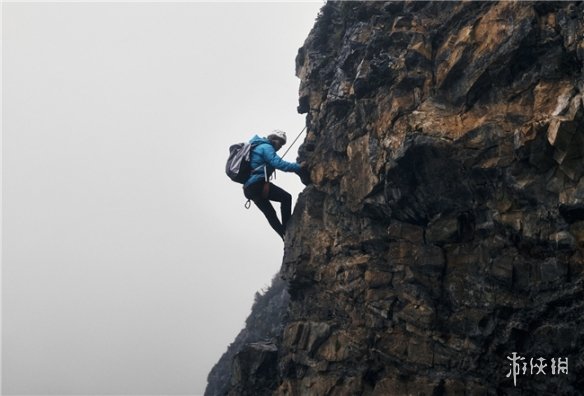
(518, 366)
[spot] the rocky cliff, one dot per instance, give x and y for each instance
(249, 361)
(444, 229)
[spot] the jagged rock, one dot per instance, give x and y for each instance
(254, 346)
(254, 370)
(444, 226)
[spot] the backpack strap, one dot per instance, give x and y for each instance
(253, 146)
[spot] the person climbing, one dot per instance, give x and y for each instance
(259, 189)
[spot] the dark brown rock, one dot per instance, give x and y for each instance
(443, 229)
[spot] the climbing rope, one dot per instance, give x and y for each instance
(289, 147)
(286, 152)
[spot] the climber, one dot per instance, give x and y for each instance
(258, 188)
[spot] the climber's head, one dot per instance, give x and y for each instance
(277, 138)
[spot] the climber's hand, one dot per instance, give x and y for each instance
(304, 174)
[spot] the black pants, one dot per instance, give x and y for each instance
(258, 194)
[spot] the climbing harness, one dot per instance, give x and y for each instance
(265, 191)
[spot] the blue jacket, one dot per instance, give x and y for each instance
(264, 155)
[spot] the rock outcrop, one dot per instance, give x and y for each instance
(444, 229)
(248, 366)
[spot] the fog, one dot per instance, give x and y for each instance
(129, 262)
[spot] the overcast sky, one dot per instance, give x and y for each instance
(128, 260)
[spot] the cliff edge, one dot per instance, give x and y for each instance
(444, 230)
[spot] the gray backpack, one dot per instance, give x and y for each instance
(238, 166)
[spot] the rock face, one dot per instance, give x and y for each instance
(444, 229)
(248, 366)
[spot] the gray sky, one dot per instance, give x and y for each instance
(129, 262)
